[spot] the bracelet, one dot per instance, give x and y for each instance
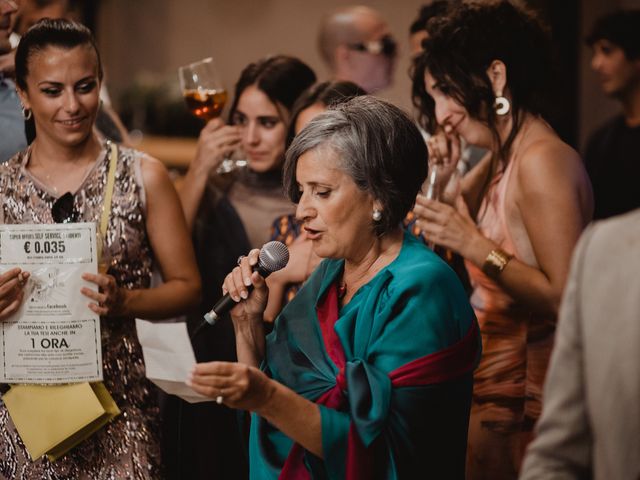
(495, 262)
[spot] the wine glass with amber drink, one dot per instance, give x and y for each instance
(202, 89)
(206, 96)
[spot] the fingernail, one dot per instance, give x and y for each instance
(247, 281)
(448, 128)
(244, 294)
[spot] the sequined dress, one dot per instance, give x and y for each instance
(129, 446)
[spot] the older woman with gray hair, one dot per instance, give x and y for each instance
(369, 368)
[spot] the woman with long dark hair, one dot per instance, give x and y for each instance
(482, 78)
(229, 214)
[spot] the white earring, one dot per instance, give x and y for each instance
(377, 215)
(26, 113)
(501, 104)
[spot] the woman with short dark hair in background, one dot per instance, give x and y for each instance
(368, 371)
(229, 214)
(63, 176)
(522, 209)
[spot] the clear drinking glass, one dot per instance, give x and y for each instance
(431, 189)
(206, 97)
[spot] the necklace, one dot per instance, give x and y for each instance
(46, 176)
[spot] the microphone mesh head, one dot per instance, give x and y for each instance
(274, 256)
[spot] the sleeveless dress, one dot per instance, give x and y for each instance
(129, 446)
(516, 345)
(204, 440)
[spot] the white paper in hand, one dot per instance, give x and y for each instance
(168, 357)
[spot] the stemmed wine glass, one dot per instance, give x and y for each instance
(206, 96)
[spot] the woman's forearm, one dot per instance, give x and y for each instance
(277, 288)
(250, 341)
(172, 298)
(523, 282)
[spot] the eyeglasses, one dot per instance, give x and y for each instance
(386, 46)
(62, 209)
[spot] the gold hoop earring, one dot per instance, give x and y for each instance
(501, 105)
(26, 113)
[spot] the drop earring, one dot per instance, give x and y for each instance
(377, 215)
(501, 104)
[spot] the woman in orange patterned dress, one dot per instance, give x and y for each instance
(519, 216)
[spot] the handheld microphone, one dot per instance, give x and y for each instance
(274, 256)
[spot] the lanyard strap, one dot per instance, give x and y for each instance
(108, 194)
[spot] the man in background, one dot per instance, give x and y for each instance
(356, 44)
(612, 157)
(12, 134)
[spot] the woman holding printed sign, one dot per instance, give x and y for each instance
(64, 176)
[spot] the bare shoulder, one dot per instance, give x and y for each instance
(154, 173)
(549, 153)
(551, 177)
(547, 160)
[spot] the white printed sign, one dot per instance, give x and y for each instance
(54, 337)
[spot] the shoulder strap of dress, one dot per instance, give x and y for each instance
(108, 194)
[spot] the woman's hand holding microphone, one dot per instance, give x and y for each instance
(240, 385)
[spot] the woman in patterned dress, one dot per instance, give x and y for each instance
(58, 74)
(521, 212)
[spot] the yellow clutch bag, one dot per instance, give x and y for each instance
(52, 419)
